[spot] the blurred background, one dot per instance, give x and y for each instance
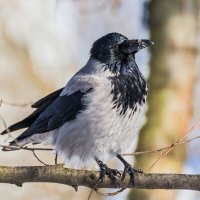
(44, 42)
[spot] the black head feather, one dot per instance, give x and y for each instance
(105, 49)
(117, 52)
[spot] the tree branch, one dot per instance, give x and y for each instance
(74, 178)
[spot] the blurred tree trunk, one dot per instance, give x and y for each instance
(173, 28)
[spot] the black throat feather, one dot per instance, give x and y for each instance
(128, 87)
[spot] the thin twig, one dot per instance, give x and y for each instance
(138, 153)
(93, 188)
(3, 122)
(38, 158)
(110, 193)
(9, 147)
(195, 126)
(178, 142)
(164, 151)
(155, 151)
(22, 105)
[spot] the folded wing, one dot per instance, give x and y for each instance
(56, 108)
(63, 109)
(40, 106)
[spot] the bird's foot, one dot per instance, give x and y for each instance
(111, 173)
(129, 169)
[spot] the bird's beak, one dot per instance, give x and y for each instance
(145, 43)
(133, 46)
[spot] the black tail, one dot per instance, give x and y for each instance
(40, 106)
(22, 124)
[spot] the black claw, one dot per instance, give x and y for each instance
(111, 173)
(116, 172)
(129, 169)
(138, 171)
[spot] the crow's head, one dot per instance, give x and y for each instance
(116, 51)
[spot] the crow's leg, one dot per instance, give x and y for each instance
(111, 173)
(128, 169)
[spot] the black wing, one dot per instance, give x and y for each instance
(63, 109)
(45, 101)
(41, 105)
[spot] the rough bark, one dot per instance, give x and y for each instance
(173, 28)
(72, 177)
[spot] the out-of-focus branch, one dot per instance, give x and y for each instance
(75, 178)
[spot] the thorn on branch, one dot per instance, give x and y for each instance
(18, 184)
(75, 187)
(56, 159)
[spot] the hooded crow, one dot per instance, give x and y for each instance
(98, 114)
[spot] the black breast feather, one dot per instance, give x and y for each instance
(127, 90)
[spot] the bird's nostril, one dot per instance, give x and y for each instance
(145, 43)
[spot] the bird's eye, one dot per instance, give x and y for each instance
(116, 46)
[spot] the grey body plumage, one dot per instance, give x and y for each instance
(98, 113)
